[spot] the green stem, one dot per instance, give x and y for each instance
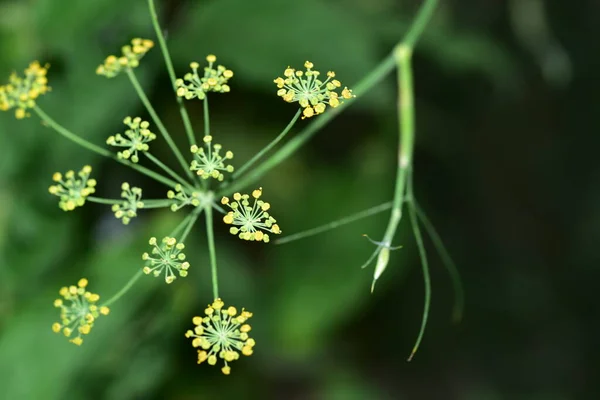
(335, 224)
(268, 147)
(70, 135)
(99, 150)
(168, 170)
(100, 200)
(459, 293)
(206, 116)
(194, 216)
(165, 51)
(412, 214)
(150, 203)
(211, 250)
(373, 78)
(158, 122)
(421, 20)
(125, 288)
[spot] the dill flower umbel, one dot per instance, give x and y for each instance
(22, 92)
(167, 257)
(78, 316)
(130, 58)
(127, 209)
(73, 189)
(209, 163)
(313, 94)
(221, 333)
(213, 80)
(135, 139)
(252, 220)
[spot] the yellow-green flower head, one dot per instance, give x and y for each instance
(214, 80)
(72, 189)
(221, 333)
(181, 198)
(130, 58)
(166, 256)
(78, 311)
(127, 209)
(306, 88)
(135, 139)
(252, 220)
(21, 92)
(209, 163)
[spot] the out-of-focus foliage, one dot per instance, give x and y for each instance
(505, 165)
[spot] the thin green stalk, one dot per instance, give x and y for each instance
(125, 288)
(157, 203)
(188, 222)
(268, 147)
(335, 224)
(211, 250)
(412, 214)
(373, 78)
(165, 51)
(100, 200)
(150, 203)
(99, 150)
(459, 293)
(184, 222)
(158, 122)
(206, 116)
(168, 170)
(194, 216)
(70, 135)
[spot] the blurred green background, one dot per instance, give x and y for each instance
(506, 93)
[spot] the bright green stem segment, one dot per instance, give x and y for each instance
(459, 293)
(165, 51)
(101, 200)
(412, 214)
(206, 116)
(335, 224)
(211, 250)
(168, 170)
(188, 222)
(99, 150)
(268, 147)
(158, 122)
(125, 288)
(193, 217)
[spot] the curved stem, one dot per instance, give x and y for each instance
(459, 292)
(268, 147)
(211, 250)
(158, 122)
(335, 224)
(99, 150)
(165, 51)
(412, 214)
(168, 170)
(125, 288)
